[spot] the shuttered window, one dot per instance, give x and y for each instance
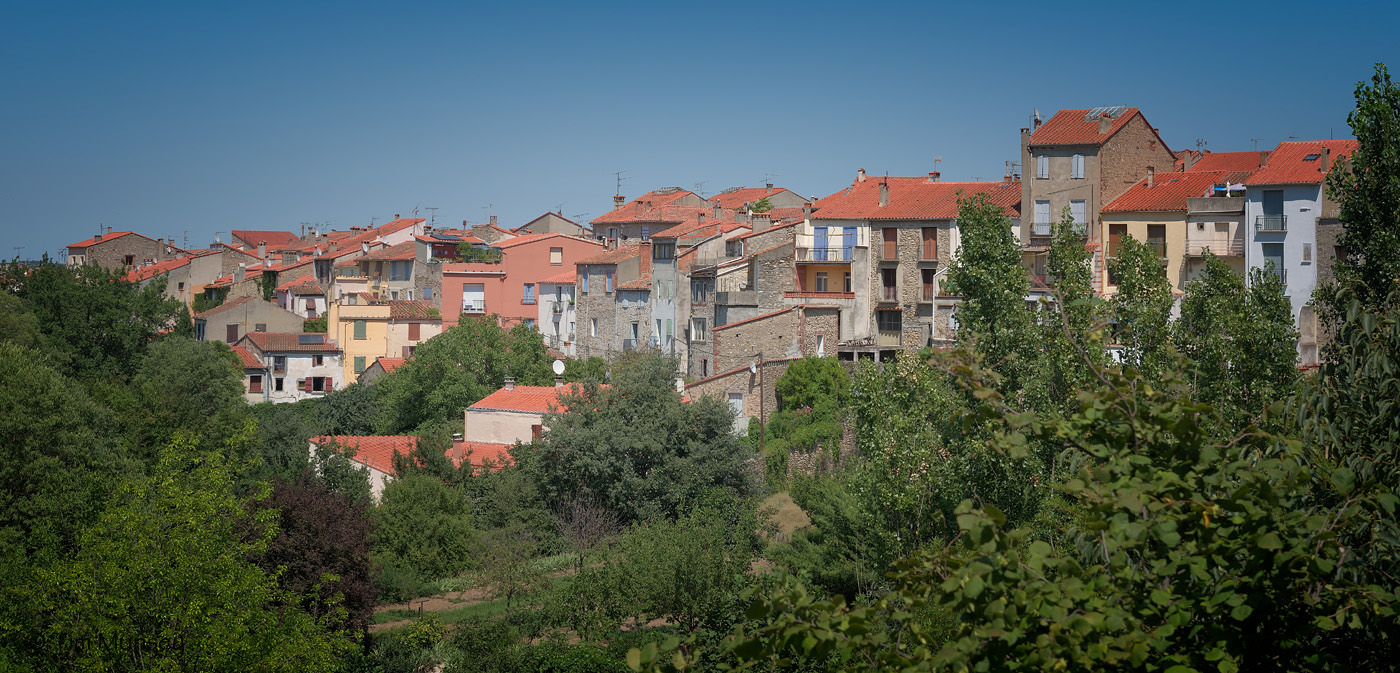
(231, 333)
(359, 364)
(1077, 167)
(360, 329)
(1042, 212)
(1076, 211)
(414, 331)
(930, 243)
(1042, 166)
(891, 249)
(556, 256)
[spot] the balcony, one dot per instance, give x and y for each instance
(1220, 247)
(841, 255)
(1215, 205)
(1040, 229)
(631, 344)
(1271, 224)
(476, 308)
(800, 294)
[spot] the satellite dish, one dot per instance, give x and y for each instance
(558, 367)
(753, 367)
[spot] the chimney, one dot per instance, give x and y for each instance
(761, 222)
(807, 210)
(1325, 161)
(1151, 176)
(884, 193)
(701, 216)
(618, 200)
(933, 176)
(396, 216)
(1263, 158)
(333, 247)
(558, 382)
(493, 220)
(510, 383)
(240, 273)
(860, 175)
(262, 249)
(770, 188)
(98, 237)
(1105, 123)
(109, 229)
(457, 447)
(719, 214)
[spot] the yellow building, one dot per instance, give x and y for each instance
(1156, 211)
(368, 330)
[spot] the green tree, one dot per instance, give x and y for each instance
(809, 417)
(162, 581)
(457, 368)
(634, 447)
(1142, 306)
(424, 526)
(1073, 318)
(1367, 186)
(190, 386)
(988, 275)
(762, 205)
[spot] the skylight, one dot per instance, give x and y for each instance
(1312, 157)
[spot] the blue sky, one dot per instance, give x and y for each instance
(174, 117)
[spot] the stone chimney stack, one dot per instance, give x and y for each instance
(933, 176)
(618, 200)
(1325, 160)
(761, 222)
(262, 249)
(558, 382)
(770, 188)
(493, 220)
(240, 273)
(510, 383)
(884, 193)
(1151, 176)
(807, 210)
(1105, 123)
(860, 175)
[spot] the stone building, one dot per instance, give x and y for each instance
(554, 223)
(122, 250)
(605, 312)
(230, 321)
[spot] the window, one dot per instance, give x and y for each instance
(180, 287)
(889, 321)
(1116, 232)
(698, 331)
(473, 298)
(359, 364)
(593, 327)
(670, 329)
(427, 293)
(529, 294)
(1076, 213)
(556, 256)
(887, 285)
(318, 360)
(530, 322)
(636, 329)
(400, 270)
(1042, 218)
(930, 240)
(1273, 258)
(1157, 238)
(360, 327)
(279, 363)
(1307, 253)
(1042, 166)
(927, 284)
(821, 345)
(536, 431)
(821, 281)
(231, 332)
(319, 384)
(255, 384)
(646, 232)
(277, 384)
(846, 281)
(129, 260)
(891, 248)
(583, 282)
(415, 331)
(1077, 167)
(607, 282)
(260, 327)
(663, 251)
(736, 403)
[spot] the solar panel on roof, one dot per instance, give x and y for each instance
(311, 339)
(1113, 112)
(446, 238)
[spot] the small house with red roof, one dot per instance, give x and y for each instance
(608, 315)
(122, 250)
(372, 453)
(288, 366)
(303, 296)
(553, 223)
(1291, 225)
(367, 329)
(1081, 160)
(745, 198)
(381, 367)
(649, 213)
(230, 321)
(513, 413)
(506, 284)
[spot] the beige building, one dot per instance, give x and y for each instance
(231, 320)
(370, 330)
(553, 223)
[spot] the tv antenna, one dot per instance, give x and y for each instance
(559, 209)
(488, 208)
(1256, 142)
(581, 217)
(1201, 144)
(936, 162)
(700, 187)
(415, 209)
(432, 216)
(768, 177)
(18, 249)
(371, 222)
(618, 175)
(187, 239)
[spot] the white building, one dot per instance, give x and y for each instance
(286, 366)
(558, 312)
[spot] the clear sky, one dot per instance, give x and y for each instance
(175, 117)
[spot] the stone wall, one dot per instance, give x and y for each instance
(738, 379)
(428, 276)
(112, 253)
(773, 335)
(1124, 159)
(595, 305)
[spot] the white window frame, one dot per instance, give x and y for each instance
(1042, 166)
(1076, 169)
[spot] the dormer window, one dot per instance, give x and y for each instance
(1312, 157)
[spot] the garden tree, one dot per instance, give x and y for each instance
(455, 369)
(507, 556)
(809, 417)
(348, 411)
(585, 527)
(688, 571)
(56, 465)
(1194, 554)
(283, 434)
(762, 205)
(1073, 317)
(591, 370)
(96, 324)
(320, 554)
(425, 527)
(988, 275)
(17, 325)
(634, 447)
(316, 325)
(1239, 340)
(1142, 306)
(1367, 187)
(162, 581)
(334, 467)
(189, 386)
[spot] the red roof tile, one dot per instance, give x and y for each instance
(1289, 164)
(301, 285)
(1069, 127)
(275, 240)
(618, 254)
(249, 362)
(567, 278)
(412, 309)
(649, 207)
(290, 342)
(1228, 161)
(375, 451)
(525, 399)
(153, 270)
(751, 234)
(1169, 191)
(913, 198)
(734, 199)
(390, 364)
(400, 252)
(480, 453)
(643, 283)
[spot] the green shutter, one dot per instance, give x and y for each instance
(359, 329)
(359, 364)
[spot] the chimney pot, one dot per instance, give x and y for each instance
(109, 229)
(701, 217)
(493, 220)
(860, 175)
(510, 383)
(1325, 161)
(396, 216)
(719, 213)
(770, 188)
(558, 382)
(807, 211)
(1105, 123)
(618, 200)
(933, 176)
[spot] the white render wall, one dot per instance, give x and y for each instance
(1301, 207)
(300, 366)
(556, 332)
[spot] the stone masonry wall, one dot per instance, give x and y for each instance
(1125, 157)
(428, 276)
(738, 379)
(111, 253)
(595, 304)
(774, 336)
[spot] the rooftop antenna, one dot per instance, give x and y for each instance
(187, 239)
(18, 248)
(618, 174)
(559, 209)
(1256, 142)
(488, 208)
(371, 222)
(581, 217)
(768, 177)
(936, 162)
(1201, 144)
(700, 187)
(415, 209)
(432, 217)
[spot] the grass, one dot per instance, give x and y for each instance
(785, 514)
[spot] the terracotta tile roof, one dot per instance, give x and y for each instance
(1289, 164)
(412, 309)
(1170, 191)
(397, 225)
(275, 240)
(105, 237)
(302, 285)
(249, 362)
(912, 198)
(785, 214)
(567, 278)
(649, 207)
(290, 342)
(390, 364)
(734, 199)
(1070, 127)
(374, 451)
(232, 303)
(754, 319)
(1228, 161)
(445, 237)
(751, 234)
(524, 399)
(480, 453)
(400, 252)
(153, 270)
(695, 227)
(618, 254)
(643, 283)
(249, 273)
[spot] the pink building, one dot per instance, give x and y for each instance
(510, 288)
